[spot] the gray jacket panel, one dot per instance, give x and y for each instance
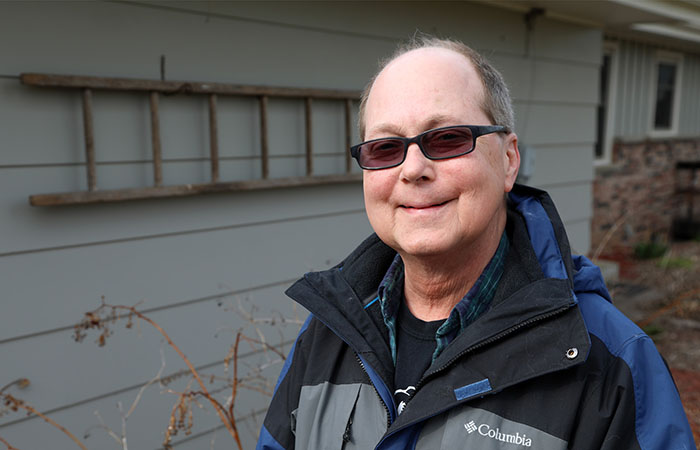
(326, 417)
(466, 428)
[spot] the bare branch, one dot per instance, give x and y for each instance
(265, 346)
(234, 390)
(20, 404)
(7, 444)
(124, 419)
(104, 426)
(150, 382)
(93, 320)
(19, 382)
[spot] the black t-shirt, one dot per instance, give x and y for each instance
(415, 344)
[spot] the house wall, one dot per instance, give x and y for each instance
(635, 91)
(634, 196)
(636, 200)
(194, 263)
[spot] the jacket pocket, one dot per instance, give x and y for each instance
(339, 416)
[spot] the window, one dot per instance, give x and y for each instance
(666, 90)
(606, 114)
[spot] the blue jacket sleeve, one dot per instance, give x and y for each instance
(637, 405)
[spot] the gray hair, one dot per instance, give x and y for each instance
(496, 102)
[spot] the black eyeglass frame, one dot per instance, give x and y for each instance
(476, 130)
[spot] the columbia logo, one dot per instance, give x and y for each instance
(470, 427)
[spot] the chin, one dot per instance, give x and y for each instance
(423, 247)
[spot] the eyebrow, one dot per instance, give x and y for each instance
(431, 122)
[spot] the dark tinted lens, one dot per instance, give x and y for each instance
(381, 153)
(448, 142)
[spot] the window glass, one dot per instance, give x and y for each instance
(665, 88)
(603, 106)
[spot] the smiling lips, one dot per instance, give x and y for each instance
(425, 207)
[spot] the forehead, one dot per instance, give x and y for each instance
(423, 89)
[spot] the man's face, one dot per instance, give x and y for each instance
(436, 208)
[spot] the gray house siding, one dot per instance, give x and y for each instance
(690, 104)
(634, 95)
(191, 261)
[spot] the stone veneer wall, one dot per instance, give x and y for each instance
(634, 198)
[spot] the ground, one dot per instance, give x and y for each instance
(662, 295)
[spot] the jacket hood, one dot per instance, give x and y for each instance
(545, 230)
(588, 278)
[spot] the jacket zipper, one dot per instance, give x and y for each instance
(492, 340)
(468, 350)
(376, 391)
(364, 369)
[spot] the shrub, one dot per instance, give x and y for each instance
(649, 250)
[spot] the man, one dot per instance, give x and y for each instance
(464, 322)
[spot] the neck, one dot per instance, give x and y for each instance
(434, 284)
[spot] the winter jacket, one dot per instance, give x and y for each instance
(550, 365)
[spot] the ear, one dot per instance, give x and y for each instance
(511, 160)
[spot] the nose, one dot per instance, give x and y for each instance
(416, 167)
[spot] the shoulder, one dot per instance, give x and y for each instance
(606, 322)
(603, 320)
(630, 361)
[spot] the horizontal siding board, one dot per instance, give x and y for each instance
(145, 427)
(493, 28)
(556, 165)
(28, 230)
(574, 201)
(555, 124)
(39, 126)
(557, 40)
(239, 127)
(218, 439)
(168, 269)
(203, 331)
(56, 263)
(122, 129)
(545, 80)
(579, 233)
(97, 35)
(123, 133)
(184, 129)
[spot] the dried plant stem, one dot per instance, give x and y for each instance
(145, 386)
(30, 409)
(107, 429)
(234, 389)
(7, 444)
(20, 382)
(265, 346)
(663, 310)
(610, 233)
(228, 422)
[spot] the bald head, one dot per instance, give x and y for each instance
(428, 88)
(494, 99)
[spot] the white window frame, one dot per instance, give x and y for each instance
(611, 49)
(669, 58)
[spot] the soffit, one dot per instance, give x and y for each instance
(676, 22)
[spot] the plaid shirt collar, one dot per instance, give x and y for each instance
(472, 305)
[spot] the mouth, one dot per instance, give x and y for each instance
(424, 207)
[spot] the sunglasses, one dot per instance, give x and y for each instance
(440, 143)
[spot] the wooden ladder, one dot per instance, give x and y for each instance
(155, 88)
